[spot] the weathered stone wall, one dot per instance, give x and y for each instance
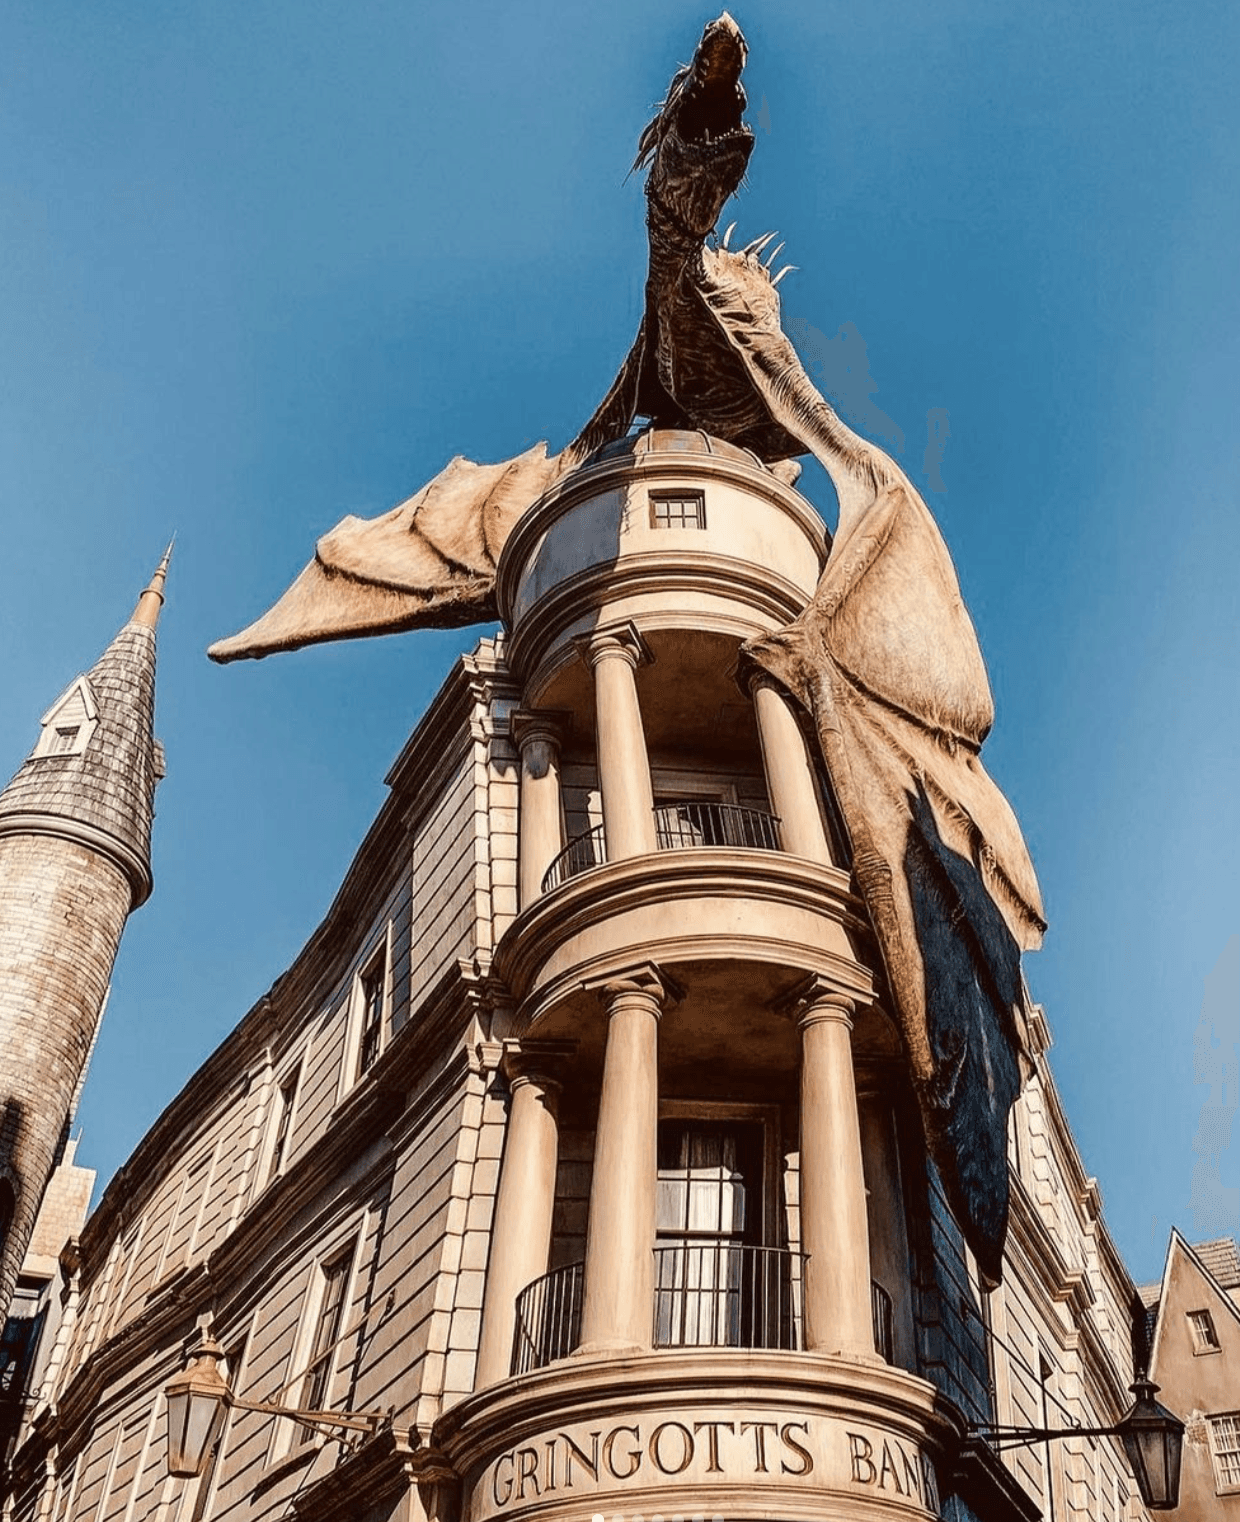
(62, 911)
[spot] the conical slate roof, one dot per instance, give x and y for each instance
(101, 793)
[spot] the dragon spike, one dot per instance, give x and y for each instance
(787, 270)
(728, 234)
(774, 256)
(758, 244)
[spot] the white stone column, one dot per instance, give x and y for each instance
(521, 1231)
(790, 779)
(834, 1228)
(623, 764)
(541, 835)
(618, 1309)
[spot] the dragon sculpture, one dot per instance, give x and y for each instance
(884, 657)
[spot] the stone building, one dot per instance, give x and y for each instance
(577, 1143)
(1193, 1330)
(75, 861)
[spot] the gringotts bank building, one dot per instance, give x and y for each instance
(657, 1125)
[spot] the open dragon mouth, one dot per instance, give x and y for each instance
(697, 147)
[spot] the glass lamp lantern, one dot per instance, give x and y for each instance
(1153, 1439)
(196, 1399)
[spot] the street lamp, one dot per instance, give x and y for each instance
(1153, 1439)
(198, 1397)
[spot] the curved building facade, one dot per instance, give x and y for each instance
(577, 1144)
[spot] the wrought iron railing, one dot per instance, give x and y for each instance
(725, 1295)
(588, 850)
(677, 827)
(548, 1318)
(707, 1295)
(681, 826)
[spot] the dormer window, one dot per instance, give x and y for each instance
(69, 723)
(682, 509)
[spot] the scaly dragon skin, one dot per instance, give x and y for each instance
(885, 657)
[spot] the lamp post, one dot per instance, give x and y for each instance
(1153, 1439)
(198, 1397)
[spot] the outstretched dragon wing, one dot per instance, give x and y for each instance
(886, 660)
(431, 561)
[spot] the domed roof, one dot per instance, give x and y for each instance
(672, 441)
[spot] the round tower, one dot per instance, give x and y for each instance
(699, 1294)
(75, 861)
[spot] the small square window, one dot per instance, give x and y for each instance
(64, 739)
(677, 509)
(1205, 1338)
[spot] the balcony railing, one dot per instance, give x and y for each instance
(707, 1295)
(678, 827)
(681, 826)
(725, 1295)
(582, 852)
(548, 1318)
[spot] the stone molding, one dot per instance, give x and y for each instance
(64, 827)
(592, 481)
(770, 877)
(641, 1390)
(773, 598)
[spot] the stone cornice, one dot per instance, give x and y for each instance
(64, 827)
(774, 599)
(593, 480)
(769, 876)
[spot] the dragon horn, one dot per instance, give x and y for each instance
(787, 270)
(774, 256)
(728, 234)
(758, 244)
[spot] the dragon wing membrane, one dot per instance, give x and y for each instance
(428, 563)
(886, 660)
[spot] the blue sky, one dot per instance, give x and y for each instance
(264, 264)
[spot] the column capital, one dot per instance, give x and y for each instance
(528, 726)
(619, 640)
(816, 999)
(643, 978)
(749, 676)
(536, 1062)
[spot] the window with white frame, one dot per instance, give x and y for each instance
(1225, 1450)
(282, 1123)
(334, 1275)
(1205, 1337)
(373, 995)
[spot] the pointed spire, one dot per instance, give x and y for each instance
(146, 614)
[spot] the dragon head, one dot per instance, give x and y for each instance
(697, 147)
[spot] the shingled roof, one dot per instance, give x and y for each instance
(101, 792)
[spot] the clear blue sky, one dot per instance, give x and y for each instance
(266, 263)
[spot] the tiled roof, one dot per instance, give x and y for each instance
(1222, 1259)
(109, 787)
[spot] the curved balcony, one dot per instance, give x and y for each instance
(678, 827)
(707, 1295)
